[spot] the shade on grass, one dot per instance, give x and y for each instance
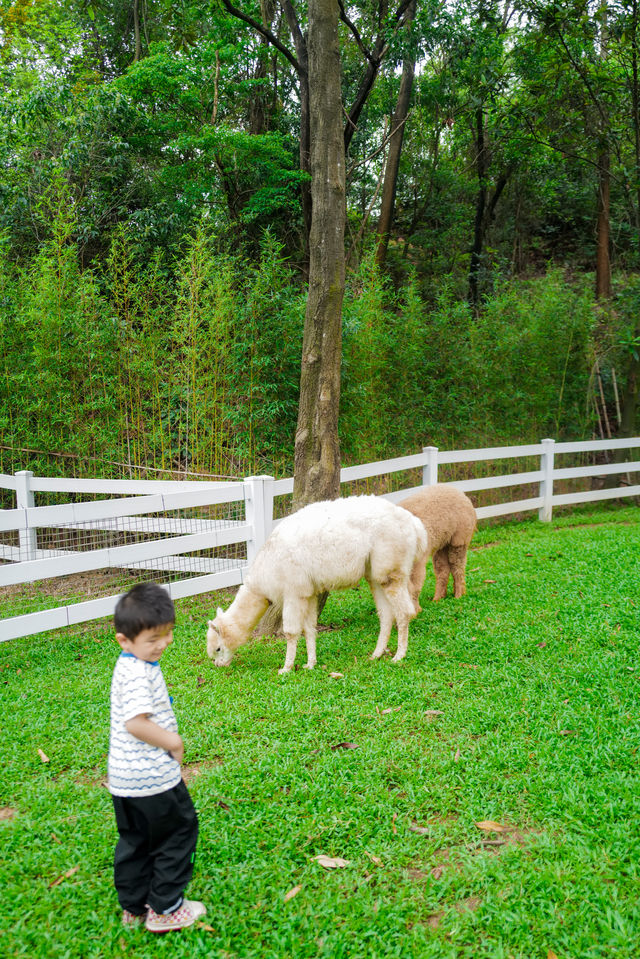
(516, 707)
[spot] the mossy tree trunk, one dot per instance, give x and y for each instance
(317, 452)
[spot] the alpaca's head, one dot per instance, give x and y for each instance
(217, 649)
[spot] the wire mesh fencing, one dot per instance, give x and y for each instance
(50, 559)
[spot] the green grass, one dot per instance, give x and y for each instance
(536, 673)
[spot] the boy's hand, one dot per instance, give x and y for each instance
(177, 751)
(149, 732)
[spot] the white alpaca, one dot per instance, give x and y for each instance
(327, 546)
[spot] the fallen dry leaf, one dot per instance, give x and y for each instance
(541, 645)
(43, 756)
(200, 681)
(205, 926)
(437, 872)
(6, 812)
(490, 826)
(457, 756)
(489, 581)
(421, 830)
(331, 862)
(434, 712)
(337, 675)
(375, 859)
(345, 746)
(568, 732)
(471, 903)
(390, 709)
(292, 892)
(66, 875)
(223, 805)
(551, 954)
(393, 823)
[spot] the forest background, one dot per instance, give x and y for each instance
(154, 223)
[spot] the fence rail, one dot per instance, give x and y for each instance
(203, 536)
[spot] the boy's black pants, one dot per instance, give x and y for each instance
(154, 855)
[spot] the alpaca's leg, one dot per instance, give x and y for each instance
(293, 611)
(292, 645)
(442, 570)
(458, 562)
(385, 615)
(310, 631)
(418, 573)
(403, 611)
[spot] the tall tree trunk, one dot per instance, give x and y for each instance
(481, 205)
(136, 32)
(635, 107)
(486, 203)
(317, 453)
(603, 264)
(395, 149)
(300, 43)
(259, 106)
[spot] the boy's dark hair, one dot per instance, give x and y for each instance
(145, 606)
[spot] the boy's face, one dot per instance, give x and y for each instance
(148, 645)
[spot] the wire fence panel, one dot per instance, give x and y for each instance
(54, 557)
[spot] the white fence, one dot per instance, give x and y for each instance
(199, 537)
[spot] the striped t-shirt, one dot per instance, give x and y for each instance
(136, 768)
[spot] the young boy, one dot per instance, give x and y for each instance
(156, 819)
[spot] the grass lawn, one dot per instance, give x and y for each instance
(517, 705)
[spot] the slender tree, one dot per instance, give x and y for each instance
(392, 165)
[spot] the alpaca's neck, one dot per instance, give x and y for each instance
(243, 614)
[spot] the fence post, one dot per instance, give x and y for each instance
(546, 483)
(430, 468)
(25, 500)
(258, 511)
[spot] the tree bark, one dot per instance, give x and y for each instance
(317, 453)
(486, 203)
(603, 264)
(259, 106)
(395, 149)
(635, 107)
(302, 54)
(481, 203)
(136, 32)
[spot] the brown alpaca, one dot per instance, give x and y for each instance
(450, 521)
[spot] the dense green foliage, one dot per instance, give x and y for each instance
(153, 249)
(195, 368)
(516, 704)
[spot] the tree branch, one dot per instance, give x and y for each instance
(354, 30)
(266, 33)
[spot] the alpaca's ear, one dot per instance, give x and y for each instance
(210, 622)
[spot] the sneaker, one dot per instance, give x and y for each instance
(185, 916)
(132, 918)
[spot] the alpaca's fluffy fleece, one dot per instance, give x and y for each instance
(450, 521)
(327, 546)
